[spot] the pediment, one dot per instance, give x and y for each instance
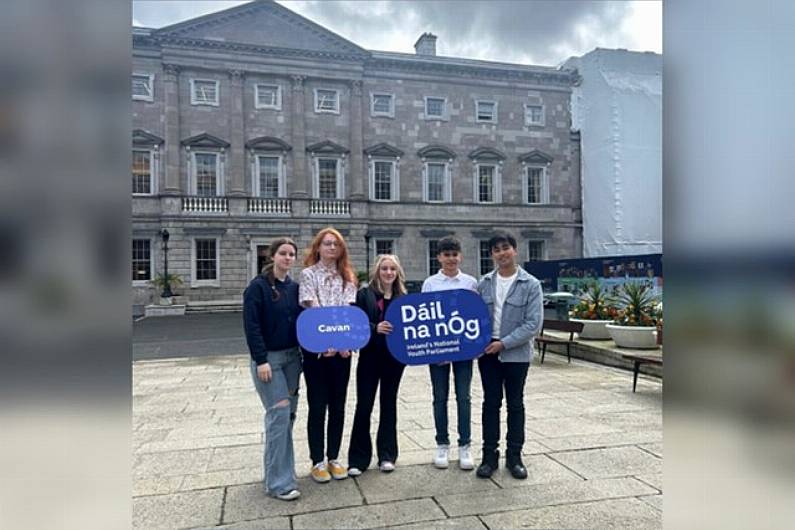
(261, 23)
(436, 151)
(487, 153)
(142, 137)
(268, 143)
(205, 140)
(327, 147)
(384, 150)
(535, 157)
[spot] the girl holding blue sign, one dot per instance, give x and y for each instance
(270, 310)
(328, 280)
(376, 365)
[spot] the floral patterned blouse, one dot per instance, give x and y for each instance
(323, 286)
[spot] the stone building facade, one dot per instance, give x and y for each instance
(255, 122)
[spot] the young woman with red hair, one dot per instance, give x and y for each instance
(327, 280)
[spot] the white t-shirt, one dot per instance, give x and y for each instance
(441, 282)
(502, 287)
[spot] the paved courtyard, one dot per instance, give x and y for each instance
(593, 454)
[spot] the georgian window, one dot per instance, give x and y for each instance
(534, 115)
(143, 87)
(141, 260)
(536, 188)
(382, 104)
(328, 178)
(383, 246)
(205, 262)
(437, 182)
(204, 92)
(435, 108)
(486, 111)
(327, 100)
(267, 96)
(142, 172)
(433, 250)
(270, 177)
(535, 250)
(206, 174)
(485, 263)
(487, 183)
(384, 180)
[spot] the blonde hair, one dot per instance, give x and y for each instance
(399, 286)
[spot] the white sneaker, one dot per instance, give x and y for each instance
(441, 458)
(289, 496)
(465, 461)
(354, 471)
(387, 466)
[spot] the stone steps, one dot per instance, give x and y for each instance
(214, 306)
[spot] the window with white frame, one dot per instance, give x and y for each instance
(329, 181)
(435, 107)
(383, 246)
(205, 261)
(536, 186)
(437, 182)
(433, 250)
(534, 115)
(143, 87)
(270, 183)
(384, 180)
(486, 111)
(267, 96)
(142, 172)
(382, 105)
(141, 260)
(327, 100)
(486, 264)
(204, 92)
(206, 174)
(535, 250)
(487, 185)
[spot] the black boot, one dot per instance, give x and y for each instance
(489, 464)
(516, 466)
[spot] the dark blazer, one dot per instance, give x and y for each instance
(366, 300)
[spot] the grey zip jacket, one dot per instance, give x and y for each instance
(522, 314)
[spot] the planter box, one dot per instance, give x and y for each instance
(638, 337)
(593, 329)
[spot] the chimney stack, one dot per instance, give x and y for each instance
(426, 44)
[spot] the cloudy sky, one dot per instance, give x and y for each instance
(518, 31)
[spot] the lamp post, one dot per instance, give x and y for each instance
(167, 287)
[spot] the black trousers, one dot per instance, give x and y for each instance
(375, 367)
(497, 376)
(326, 387)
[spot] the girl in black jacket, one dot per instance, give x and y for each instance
(376, 365)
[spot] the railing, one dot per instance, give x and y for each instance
(329, 207)
(205, 204)
(269, 206)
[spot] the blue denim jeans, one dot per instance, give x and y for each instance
(279, 459)
(440, 381)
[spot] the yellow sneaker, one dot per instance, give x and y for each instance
(320, 474)
(338, 471)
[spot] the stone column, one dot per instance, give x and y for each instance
(237, 153)
(172, 153)
(301, 183)
(356, 176)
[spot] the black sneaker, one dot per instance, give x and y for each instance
(517, 469)
(489, 465)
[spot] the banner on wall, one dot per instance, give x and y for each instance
(437, 327)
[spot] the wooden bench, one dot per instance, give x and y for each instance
(558, 325)
(639, 359)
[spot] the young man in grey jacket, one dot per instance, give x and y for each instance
(515, 302)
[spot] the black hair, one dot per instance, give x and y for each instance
(448, 244)
(502, 237)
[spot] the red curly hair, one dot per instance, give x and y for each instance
(344, 266)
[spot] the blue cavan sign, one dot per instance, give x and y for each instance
(438, 327)
(339, 327)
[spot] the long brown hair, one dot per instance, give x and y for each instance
(344, 267)
(267, 269)
(399, 286)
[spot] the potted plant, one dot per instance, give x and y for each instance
(594, 311)
(159, 283)
(635, 325)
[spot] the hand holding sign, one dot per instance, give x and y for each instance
(438, 327)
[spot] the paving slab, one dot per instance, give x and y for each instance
(568, 426)
(208, 442)
(610, 462)
(412, 482)
(540, 470)
(654, 448)
(542, 495)
(269, 523)
(654, 480)
(655, 501)
(236, 457)
(373, 515)
(171, 463)
(223, 478)
(178, 510)
(630, 514)
(456, 523)
(156, 485)
(594, 441)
